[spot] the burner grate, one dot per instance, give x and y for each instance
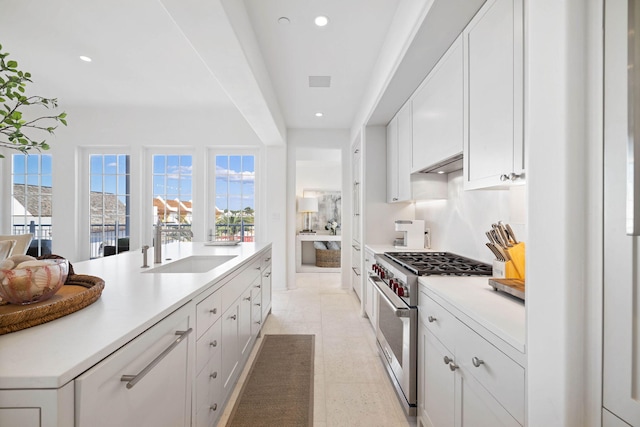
(439, 263)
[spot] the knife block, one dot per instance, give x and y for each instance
(505, 270)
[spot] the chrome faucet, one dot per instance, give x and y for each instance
(145, 248)
(157, 241)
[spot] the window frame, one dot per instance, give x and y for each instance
(211, 191)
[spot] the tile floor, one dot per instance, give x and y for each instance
(351, 387)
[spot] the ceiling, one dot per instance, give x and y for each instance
(346, 50)
(144, 54)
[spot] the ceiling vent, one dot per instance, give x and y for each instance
(319, 81)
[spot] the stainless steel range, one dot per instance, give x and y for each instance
(395, 278)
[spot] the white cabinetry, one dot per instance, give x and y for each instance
(208, 403)
(356, 171)
(464, 379)
(438, 118)
(493, 95)
(621, 352)
(369, 300)
(37, 408)
(146, 382)
(237, 339)
(399, 137)
(265, 295)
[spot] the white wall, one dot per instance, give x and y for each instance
(458, 223)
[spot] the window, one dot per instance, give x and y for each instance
(234, 198)
(110, 204)
(172, 193)
(31, 200)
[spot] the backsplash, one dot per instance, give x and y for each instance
(458, 224)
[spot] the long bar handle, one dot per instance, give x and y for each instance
(132, 380)
(633, 120)
(398, 311)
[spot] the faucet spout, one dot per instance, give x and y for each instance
(157, 244)
(157, 241)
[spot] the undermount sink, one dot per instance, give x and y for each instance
(193, 264)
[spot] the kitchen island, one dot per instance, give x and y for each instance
(42, 363)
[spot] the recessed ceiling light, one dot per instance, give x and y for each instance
(284, 20)
(85, 58)
(440, 172)
(321, 21)
(319, 114)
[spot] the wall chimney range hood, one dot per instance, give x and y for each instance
(448, 165)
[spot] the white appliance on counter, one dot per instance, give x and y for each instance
(412, 234)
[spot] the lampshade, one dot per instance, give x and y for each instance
(308, 204)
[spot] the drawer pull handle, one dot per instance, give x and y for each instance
(258, 268)
(213, 407)
(267, 259)
(453, 366)
(213, 343)
(213, 311)
(258, 304)
(477, 362)
(431, 319)
(259, 322)
(233, 317)
(257, 286)
(267, 274)
(447, 360)
(247, 299)
(132, 380)
(213, 375)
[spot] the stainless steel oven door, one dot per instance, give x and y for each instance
(397, 341)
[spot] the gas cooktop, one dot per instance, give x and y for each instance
(439, 263)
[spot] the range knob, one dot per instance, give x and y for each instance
(400, 291)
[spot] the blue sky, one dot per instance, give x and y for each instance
(234, 186)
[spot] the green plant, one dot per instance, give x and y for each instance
(17, 133)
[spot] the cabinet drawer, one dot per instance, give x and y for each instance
(439, 321)
(208, 391)
(207, 312)
(161, 397)
(208, 345)
(498, 373)
(236, 287)
(266, 259)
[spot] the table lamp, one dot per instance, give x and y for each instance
(306, 205)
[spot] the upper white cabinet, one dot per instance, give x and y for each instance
(399, 142)
(493, 95)
(438, 107)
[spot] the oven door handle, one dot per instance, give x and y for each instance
(382, 290)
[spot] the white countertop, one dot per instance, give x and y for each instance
(472, 297)
(54, 353)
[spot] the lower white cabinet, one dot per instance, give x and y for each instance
(145, 383)
(37, 408)
(463, 379)
(369, 293)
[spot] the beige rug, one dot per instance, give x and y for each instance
(279, 388)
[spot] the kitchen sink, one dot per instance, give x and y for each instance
(193, 264)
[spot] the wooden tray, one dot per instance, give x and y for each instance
(513, 287)
(78, 292)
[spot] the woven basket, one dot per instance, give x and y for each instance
(328, 258)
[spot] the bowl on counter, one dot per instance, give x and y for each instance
(32, 281)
